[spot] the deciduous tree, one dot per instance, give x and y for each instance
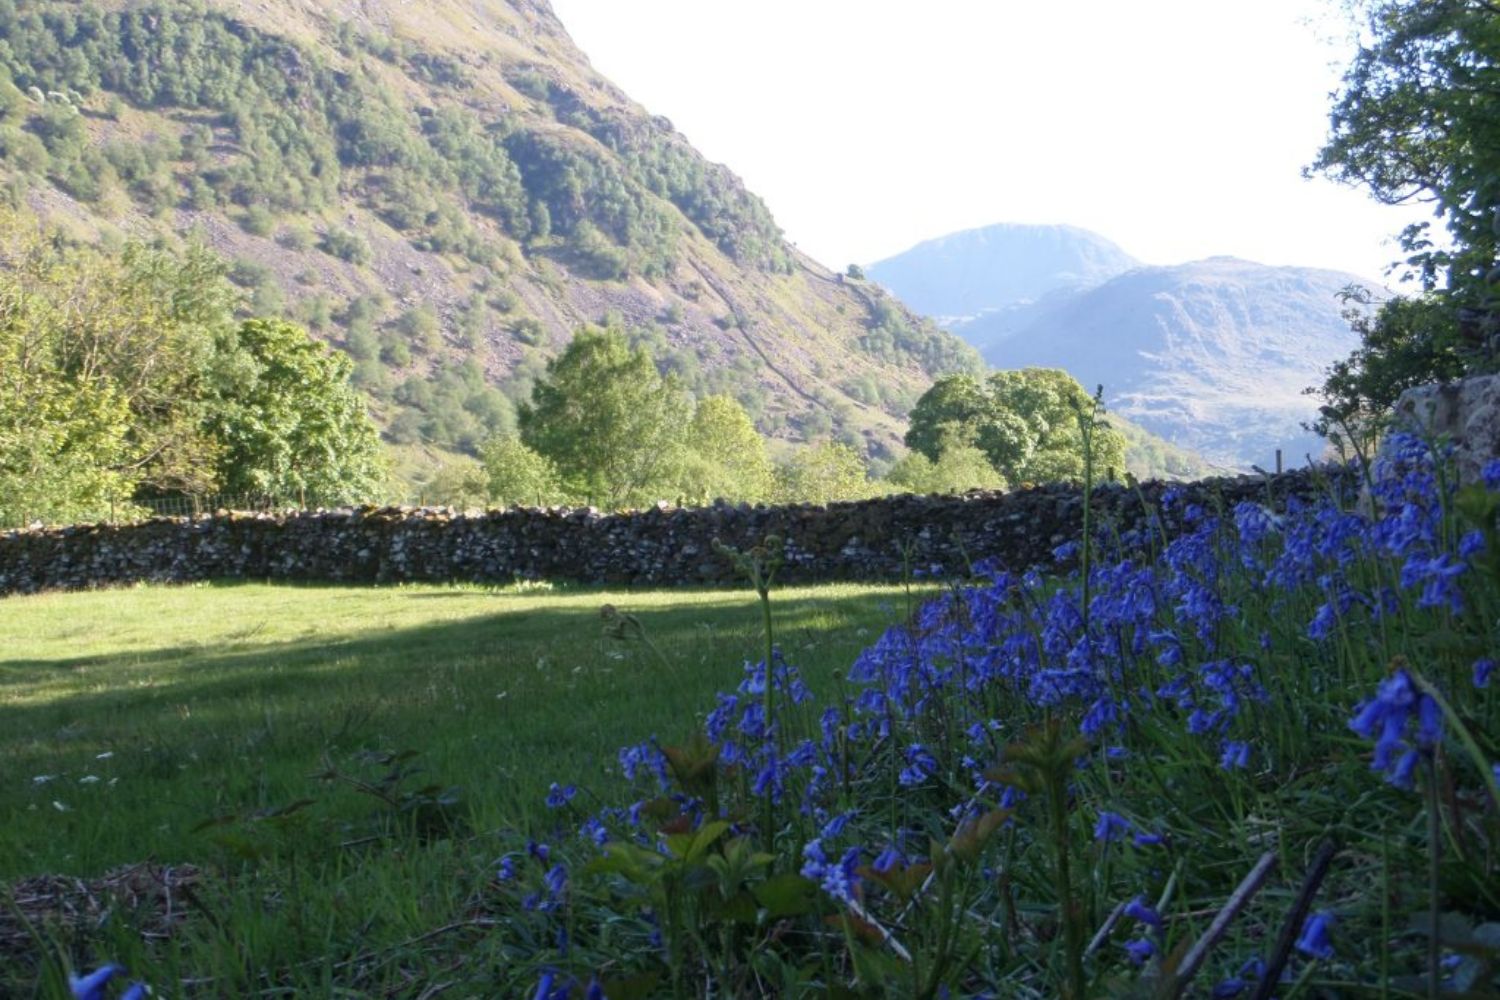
(612, 424)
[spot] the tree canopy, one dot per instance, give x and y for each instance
(125, 376)
(1418, 119)
(1029, 423)
(610, 422)
(288, 422)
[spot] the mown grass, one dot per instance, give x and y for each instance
(128, 718)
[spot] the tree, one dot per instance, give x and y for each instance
(726, 455)
(289, 423)
(143, 328)
(609, 421)
(960, 467)
(516, 476)
(1418, 119)
(1028, 423)
(460, 482)
(822, 473)
(60, 443)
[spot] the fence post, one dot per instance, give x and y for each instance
(1278, 461)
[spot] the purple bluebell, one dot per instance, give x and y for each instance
(556, 880)
(1314, 937)
(1139, 950)
(920, 765)
(594, 830)
(887, 859)
(560, 795)
(91, 986)
(839, 878)
(836, 826)
(1490, 473)
(1396, 704)
(1236, 755)
(1483, 668)
(1138, 910)
(1111, 826)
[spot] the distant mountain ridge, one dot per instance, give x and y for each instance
(1212, 355)
(966, 274)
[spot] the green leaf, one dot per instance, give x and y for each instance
(786, 895)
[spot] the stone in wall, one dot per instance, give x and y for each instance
(1466, 411)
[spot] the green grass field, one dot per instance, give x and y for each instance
(130, 718)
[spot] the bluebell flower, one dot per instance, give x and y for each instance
(1471, 544)
(1323, 622)
(593, 829)
(1139, 950)
(1490, 473)
(1144, 839)
(1483, 668)
(1228, 989)
(595, 991)
(645, 757)
(887, 859)
(560, 795)
(548, 989)
(1396, 704)
(920, 765)
(838, 879)
(1438, 576)
(1236, 755)
(1138, 910)
(556, 880)
(507, 869)
(1314, 937)
(1250, 973)
(91, 986)
(1401, 774)
(1111, 826)
(541, 852)
(835, 826)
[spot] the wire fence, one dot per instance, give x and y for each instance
(190, 506)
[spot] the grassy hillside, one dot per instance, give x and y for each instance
(446, 191)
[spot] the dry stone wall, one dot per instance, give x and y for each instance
(862, 540)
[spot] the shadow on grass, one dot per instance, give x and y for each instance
(501, 703)
(689, 649)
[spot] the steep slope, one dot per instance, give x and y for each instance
(966, 274)
(1212, 355)
(446, 190)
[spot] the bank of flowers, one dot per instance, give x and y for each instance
(1226, 750)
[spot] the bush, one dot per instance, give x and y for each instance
(346, 246)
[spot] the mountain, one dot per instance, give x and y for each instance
(1212, 355)
(964, 275)
(446, 190)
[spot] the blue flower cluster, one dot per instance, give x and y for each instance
(1151, 655)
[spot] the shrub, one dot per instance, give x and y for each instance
(346, 246)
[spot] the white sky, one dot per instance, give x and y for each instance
(1177, 128)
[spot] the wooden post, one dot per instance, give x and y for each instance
(1278, 461)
